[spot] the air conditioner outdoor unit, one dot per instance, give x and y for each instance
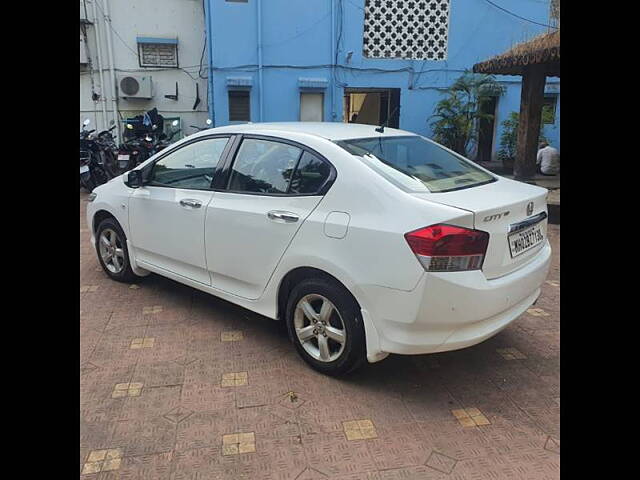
(135, 86)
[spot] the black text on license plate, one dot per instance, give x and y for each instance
(521, 242)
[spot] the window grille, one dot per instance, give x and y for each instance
(411, 29)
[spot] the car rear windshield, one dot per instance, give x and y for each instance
(415, 163)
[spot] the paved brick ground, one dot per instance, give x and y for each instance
(162, 396)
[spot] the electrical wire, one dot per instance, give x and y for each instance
(518, 16)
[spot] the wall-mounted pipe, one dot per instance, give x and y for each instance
(209, 40)
(114, 98)
(103, 99)
(332, 67)
(260, 95)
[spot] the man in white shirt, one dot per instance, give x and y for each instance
(548, 160)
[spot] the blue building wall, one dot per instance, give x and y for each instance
(301, 38)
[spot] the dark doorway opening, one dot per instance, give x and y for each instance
(372, 106)
(486, 130)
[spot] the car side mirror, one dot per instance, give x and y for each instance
(134, 179)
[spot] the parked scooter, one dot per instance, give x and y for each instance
(92, 166)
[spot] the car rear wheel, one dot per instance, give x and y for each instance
(325, 325)
(111, 246)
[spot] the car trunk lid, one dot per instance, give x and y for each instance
(501, 208)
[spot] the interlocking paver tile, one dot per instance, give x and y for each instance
(231, 336)
(197, 368)
(152, 309)
(102, 461)
(233, 379)
(127, 390)
(511, 353)
(236, 443)
(441, 462)
(142, 342)
(470, 417)
(359, 429)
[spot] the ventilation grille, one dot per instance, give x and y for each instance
(412, 29)
(158, 54)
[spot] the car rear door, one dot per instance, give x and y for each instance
(270, 187)
(167, 214)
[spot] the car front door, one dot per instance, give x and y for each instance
(167, 214)
(270, 188)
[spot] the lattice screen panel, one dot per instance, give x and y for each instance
(413, 29)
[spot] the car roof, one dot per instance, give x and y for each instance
(328, 130)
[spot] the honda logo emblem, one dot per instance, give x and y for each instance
(530, 208)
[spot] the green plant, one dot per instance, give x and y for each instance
(457, 116)
(509, 136)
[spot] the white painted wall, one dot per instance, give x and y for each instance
(183, 19)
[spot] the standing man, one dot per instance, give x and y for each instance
(548, 160)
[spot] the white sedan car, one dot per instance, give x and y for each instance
(363, 242)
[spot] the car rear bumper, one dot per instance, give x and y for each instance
(449, 311)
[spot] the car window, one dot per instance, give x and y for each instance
(192, 166)
(310, 175)
(416, 164)
(263, 166)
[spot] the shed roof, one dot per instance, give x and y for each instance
(542, 50)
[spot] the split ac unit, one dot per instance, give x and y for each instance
(135, 86)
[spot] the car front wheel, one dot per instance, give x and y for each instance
(325, 325)
(111, 245)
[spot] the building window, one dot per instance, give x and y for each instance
(549, 109)
(158, 52)
(412, 29)
(311, 107)
(237, 1)
(239, 106)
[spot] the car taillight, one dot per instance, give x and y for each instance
(447, 248)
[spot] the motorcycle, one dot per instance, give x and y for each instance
(93, 171)
(140, 145)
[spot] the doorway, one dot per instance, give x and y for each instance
(372, 106)
(486, 130)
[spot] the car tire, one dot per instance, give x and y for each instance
(344, 316)
(118, 268)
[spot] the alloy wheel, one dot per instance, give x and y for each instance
(319, 327)
(111, 250)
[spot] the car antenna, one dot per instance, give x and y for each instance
(380, 129)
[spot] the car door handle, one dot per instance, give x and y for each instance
(286, 217)
(188, 202)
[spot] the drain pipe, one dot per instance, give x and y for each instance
(103, 100)
(332, 67)
(114, 99)
(209, 39)
(260, 93)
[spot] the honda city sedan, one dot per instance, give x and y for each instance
(364, 241)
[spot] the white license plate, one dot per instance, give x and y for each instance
(123, 157)
(84, 169)
(525, 240)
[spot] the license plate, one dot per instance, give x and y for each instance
(525, 240)
(84, 169)
(123, 157)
